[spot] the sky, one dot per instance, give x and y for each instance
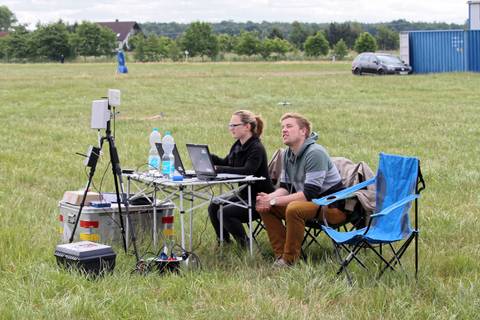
(184, 11)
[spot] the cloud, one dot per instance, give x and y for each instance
(32, 11)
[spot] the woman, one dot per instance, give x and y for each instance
(247, 156)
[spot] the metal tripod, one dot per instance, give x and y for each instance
(122, 198)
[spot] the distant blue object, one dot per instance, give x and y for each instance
(444, 51)
(437, 51)
(122, 68)
(473, 50)
(397, 182)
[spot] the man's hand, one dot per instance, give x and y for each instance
(263, 202)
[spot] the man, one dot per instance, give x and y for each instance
(308, 173)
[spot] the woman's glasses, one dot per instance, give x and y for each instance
(233, 125)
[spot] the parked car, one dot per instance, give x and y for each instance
(379, 63)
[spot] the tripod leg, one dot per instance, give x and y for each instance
(119, 202)
(92, 163)
(119, 189)
(90, 178)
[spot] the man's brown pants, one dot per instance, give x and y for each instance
(286, 240)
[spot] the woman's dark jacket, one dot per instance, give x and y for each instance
(248, 159)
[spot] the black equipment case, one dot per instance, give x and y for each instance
(86, 256)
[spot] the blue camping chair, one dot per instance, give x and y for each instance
(397, 186)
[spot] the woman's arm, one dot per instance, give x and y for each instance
(251, 165)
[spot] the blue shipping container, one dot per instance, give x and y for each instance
(437, 51)
(444, 51)
(473, 48)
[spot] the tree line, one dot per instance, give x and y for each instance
(175, 41)
(200, 40)
(57, 41)
(335, 30)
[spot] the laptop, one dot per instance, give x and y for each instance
(203, 164)
(178, 161)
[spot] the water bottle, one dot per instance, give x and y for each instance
(153, 156)
(168, 161)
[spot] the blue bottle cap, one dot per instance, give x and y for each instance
(177, 178)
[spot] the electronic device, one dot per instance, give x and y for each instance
(178, 161)
(100, 114)
(203, 164)
(93, 153)
(114, 97)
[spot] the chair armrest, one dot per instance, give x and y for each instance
(343, 194)
(390, 208)
(396, 205)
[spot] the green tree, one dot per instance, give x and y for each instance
(276, 46)
(387, 39)
(226, 43)
(298, 35)
(174, 51)
(275, 33)
(51, 41)
(139, 52)
(365, 42)
(132, 41)
(199, 40)
(3, 48)
(152, 49)
(19, 44)
(108, 42)
(7, 18)
(91, 39)
(346, 31)
(340, 49)
(316, 45)
(247, 44)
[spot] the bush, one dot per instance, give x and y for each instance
(365, 43)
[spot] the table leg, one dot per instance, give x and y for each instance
(182, 223)
(191, 219)
(155, 233)
(250, 217)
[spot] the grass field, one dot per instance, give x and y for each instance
(45, 119)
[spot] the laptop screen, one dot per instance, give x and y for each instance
(178, 161)
(201, 160)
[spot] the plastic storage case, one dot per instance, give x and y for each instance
(86, 256)
(103, 224)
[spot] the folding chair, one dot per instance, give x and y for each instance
(398, 183)
(258, 228)
(356, 210)
(313, 228)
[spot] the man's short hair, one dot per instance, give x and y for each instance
(302, 122)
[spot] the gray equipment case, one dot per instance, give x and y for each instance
(103, 224)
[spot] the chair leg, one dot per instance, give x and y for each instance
(355, 256)
(416, 255)
(388, 264)
(352, 255)
(342, 263)
(313, 237)
(397, 255)
(258, 228)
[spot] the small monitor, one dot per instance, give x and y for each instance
(201, 160)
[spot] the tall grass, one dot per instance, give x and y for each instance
(45, 119)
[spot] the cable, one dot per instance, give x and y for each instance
(194, 248)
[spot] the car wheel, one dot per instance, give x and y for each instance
(357, 71)
(380, 72)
